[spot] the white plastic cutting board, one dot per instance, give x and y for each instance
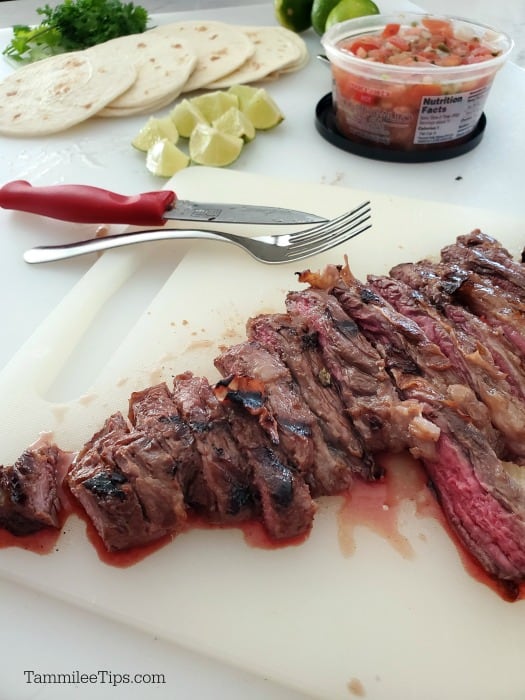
(330, 625)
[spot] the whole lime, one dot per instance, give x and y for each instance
(320, 11)
(350, 9)
(294, 14)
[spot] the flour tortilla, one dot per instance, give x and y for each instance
(221, 48)
(296, 65)
(274, 50)
(56, 93)
(163, 66)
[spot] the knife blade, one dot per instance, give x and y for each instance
(94, 205)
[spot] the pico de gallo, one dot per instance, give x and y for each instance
(433, 41)
(413, 84)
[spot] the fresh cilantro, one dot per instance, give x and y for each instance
(73, 25)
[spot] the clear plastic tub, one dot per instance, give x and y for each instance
(410, 107)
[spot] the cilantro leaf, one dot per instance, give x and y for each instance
(75, 25)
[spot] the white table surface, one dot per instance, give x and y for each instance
(47, 636)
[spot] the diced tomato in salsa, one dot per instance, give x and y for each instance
(373, 109)
(433, 41)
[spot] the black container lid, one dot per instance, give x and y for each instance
(326, 126)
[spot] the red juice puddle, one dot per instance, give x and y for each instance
(377, 505)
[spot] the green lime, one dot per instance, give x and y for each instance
(350, 9)
(235, 123)
(320, 11)
(154, 130)
(165, 159)
(294, 14)
(262, 110)
(213, 104)
(209, 146)
(186, 116)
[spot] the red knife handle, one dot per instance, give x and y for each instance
(86, 204)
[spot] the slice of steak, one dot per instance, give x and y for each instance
(352, 364)
(284, 499)
(297, 430)
(485, 256)
(480, 499)
(355, 367)
(293, 422)
(225, 471)
(472, 363)
(29, 498)
(502, 310)
(437, 285)
(153, 412)
(409, 350)
(298, 350)
(107, 492)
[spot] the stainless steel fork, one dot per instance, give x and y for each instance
(279, 248)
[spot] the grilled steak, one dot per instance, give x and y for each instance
(470, 481)
(430, 358)
(473, 365)
(283, 498)
(28, 491)
(298, 349)
(224, 469)
(125, 482)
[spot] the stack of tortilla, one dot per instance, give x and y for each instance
(142, 73)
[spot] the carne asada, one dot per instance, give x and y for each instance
(429, 359)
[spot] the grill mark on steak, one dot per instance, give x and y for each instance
(298, 432)
(110, 486)
(153, 412)
(483, 255)
(357, 370)
(283, 498)
(298, 350)
(224, 470)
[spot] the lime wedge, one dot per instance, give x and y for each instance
(244, 93)
(186, 116)
(156, 128)
(209, 146)
(213, 104)
(262, 110)
(165, 159)
(235, 123)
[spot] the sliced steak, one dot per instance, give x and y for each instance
(297, 429)
(153, 412)
(485, 256)
(342, 454)
(225, 471)
(29, 498)
(481, 500)
(438, 285)
(283, 498)
(109, 487)
(355, 367)
(471, 361)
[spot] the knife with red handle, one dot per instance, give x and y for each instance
(94, 205)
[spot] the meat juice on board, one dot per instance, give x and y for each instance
(375, 506)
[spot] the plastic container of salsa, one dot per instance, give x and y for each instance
(412, 81)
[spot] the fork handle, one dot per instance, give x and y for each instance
(43, 254)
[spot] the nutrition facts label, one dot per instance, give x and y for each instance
(447, 117)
